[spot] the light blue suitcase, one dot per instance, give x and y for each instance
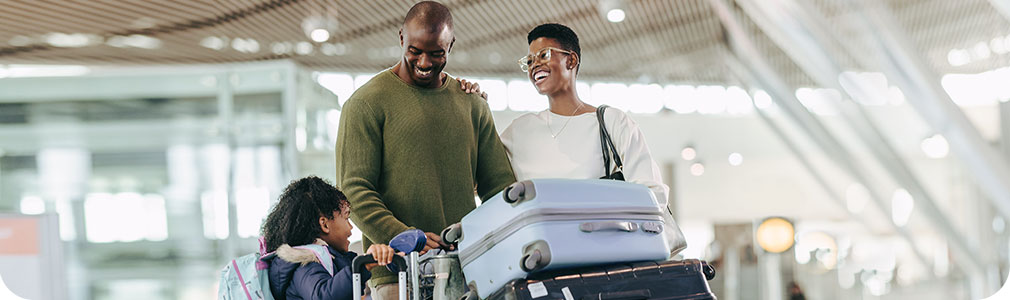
(544, 224)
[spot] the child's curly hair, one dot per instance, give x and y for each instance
(295, 218)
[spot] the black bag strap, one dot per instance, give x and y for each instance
(603, 140)
(609, 150)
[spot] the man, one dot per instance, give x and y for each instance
(413, 147)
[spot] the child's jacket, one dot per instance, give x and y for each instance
(296, 274)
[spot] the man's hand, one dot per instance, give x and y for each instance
(471, 87)
(434, 241)
(383, 255)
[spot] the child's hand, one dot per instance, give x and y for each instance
(383, 255)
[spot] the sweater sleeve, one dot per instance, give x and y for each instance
(359, 162)
(313, 282)
(639, 167)
(494, 172)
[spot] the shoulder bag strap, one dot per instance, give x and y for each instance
(603, 140)
(608, 145)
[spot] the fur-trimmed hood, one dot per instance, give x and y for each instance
(300, 256)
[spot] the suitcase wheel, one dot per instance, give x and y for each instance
(708, 270)
(518, 192)
(470, 295)
(452, 234)
(513, 193)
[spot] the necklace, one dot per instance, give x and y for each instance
(549, 117)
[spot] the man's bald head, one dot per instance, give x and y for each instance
(430, 15)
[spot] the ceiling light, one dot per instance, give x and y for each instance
(303, 48)
(738, 101)
(341, 48)
(958, 57)
(981, 51)
(134, 41)
(901, 207)
(328, 49)
(615, 15)
(697, 169)
(823, 246)
(20, 41)
(682, 99)
(648, 98)
(714, 99)
(935, 146)
(735, 159)
(819, 101)
(72, 40)
(245, 45)
(775, 235)
(213, 42)
(998, 45)
(613, 10)
(281, 48)
(319, 35)
(319, 28)
(688, 153)
(762, 100)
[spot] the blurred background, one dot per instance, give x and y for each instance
(834, 149)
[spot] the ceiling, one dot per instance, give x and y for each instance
(661, 41)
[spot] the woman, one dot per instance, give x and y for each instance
(564, 141)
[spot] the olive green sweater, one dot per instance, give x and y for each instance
(410, 157)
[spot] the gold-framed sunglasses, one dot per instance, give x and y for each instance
(543, 55)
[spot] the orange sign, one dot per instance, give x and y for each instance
(19, 236)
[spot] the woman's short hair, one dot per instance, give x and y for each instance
(561, 33)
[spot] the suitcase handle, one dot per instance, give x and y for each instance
(624, 295)
(608, 225)
(359, 263)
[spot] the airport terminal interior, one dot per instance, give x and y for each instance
(814, 149)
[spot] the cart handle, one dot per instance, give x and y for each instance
(359, 263)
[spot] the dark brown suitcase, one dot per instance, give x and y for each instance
(668, 280)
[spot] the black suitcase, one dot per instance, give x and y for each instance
(667, 280)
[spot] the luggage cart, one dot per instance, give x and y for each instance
(433, 277)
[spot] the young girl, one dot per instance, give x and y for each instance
(311, 211)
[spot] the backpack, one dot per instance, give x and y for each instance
(245, 278)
